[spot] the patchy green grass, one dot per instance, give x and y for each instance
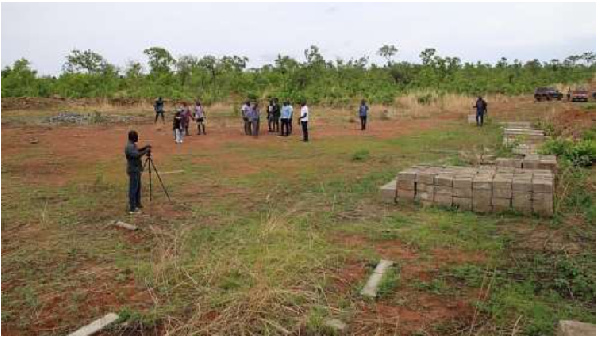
(257, 242)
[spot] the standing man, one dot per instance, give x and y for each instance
(255, 119)
(362, 113)
(481, 109)
(276, 114)
(159, 108)
(199, 115)
(304, 120)
(186, 116)
(270, 116)
(134, 170)
(286, 113)
(245, 117)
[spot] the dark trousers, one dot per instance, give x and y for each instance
(271, 120)
(162, 114)
(276, 124)
(201, 127)
(479, 118)
(247, 126)
(255, 127)
(363, 122)
(304, 130)
(135, 190)
(285, 127)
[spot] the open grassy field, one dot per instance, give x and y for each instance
(275, 236)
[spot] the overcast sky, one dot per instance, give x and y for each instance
(44, 33)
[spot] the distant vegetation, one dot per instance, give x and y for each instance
(88, 74)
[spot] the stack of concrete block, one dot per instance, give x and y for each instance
(524, 140)
(534, 161)
(543, 192)
(406, 185)
(388, 192)
(483, 189)
(517, 125)
(522, 191)
(531, 161)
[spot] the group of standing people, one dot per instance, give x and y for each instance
(182, 119)
(279, 118)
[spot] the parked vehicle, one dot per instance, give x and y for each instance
(578, 95)
(547, 94)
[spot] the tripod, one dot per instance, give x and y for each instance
(150, 163)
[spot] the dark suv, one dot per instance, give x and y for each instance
(547, 94)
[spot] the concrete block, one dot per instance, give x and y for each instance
(543, 185)
(462, 192)
(472, 119)
(125, 225)
(370, 289)
(409, 175)
(482, 208)
(406, 185)
(337, 326)
(463, 203)
(96, 326)
(543, 204)
(575, 328)
(522, 202)
(502, 193)
(442, 199)
(425, 187)
(501, 202)
(522, 183)
(444, 179)
(424, 196)
(426, 177)
(505, 170)
(482, 196)
(463, 181)
(502, 182)
(388, 192)
(405, 195)
(482, 182)
(443, 190)
(509, 162)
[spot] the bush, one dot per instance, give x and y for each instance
(579, 153)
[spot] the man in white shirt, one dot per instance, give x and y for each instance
(246, 121)
(304, 120)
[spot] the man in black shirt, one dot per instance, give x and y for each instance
(134, 170)
(159, 108)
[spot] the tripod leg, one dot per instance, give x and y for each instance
(160, 180)
(148, 163)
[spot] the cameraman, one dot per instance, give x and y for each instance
(134, 170)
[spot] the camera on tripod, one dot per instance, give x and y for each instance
(149, 162)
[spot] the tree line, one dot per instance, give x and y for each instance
(86, 73)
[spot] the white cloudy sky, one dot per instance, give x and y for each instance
(44, 33)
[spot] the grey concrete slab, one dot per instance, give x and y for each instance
(575, 328)
(96, 326)
(370, 289)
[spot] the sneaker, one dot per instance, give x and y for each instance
(136, 211)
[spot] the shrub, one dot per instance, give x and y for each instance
(579, 153)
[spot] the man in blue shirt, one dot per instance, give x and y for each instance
(362, 113)
(286, 118)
